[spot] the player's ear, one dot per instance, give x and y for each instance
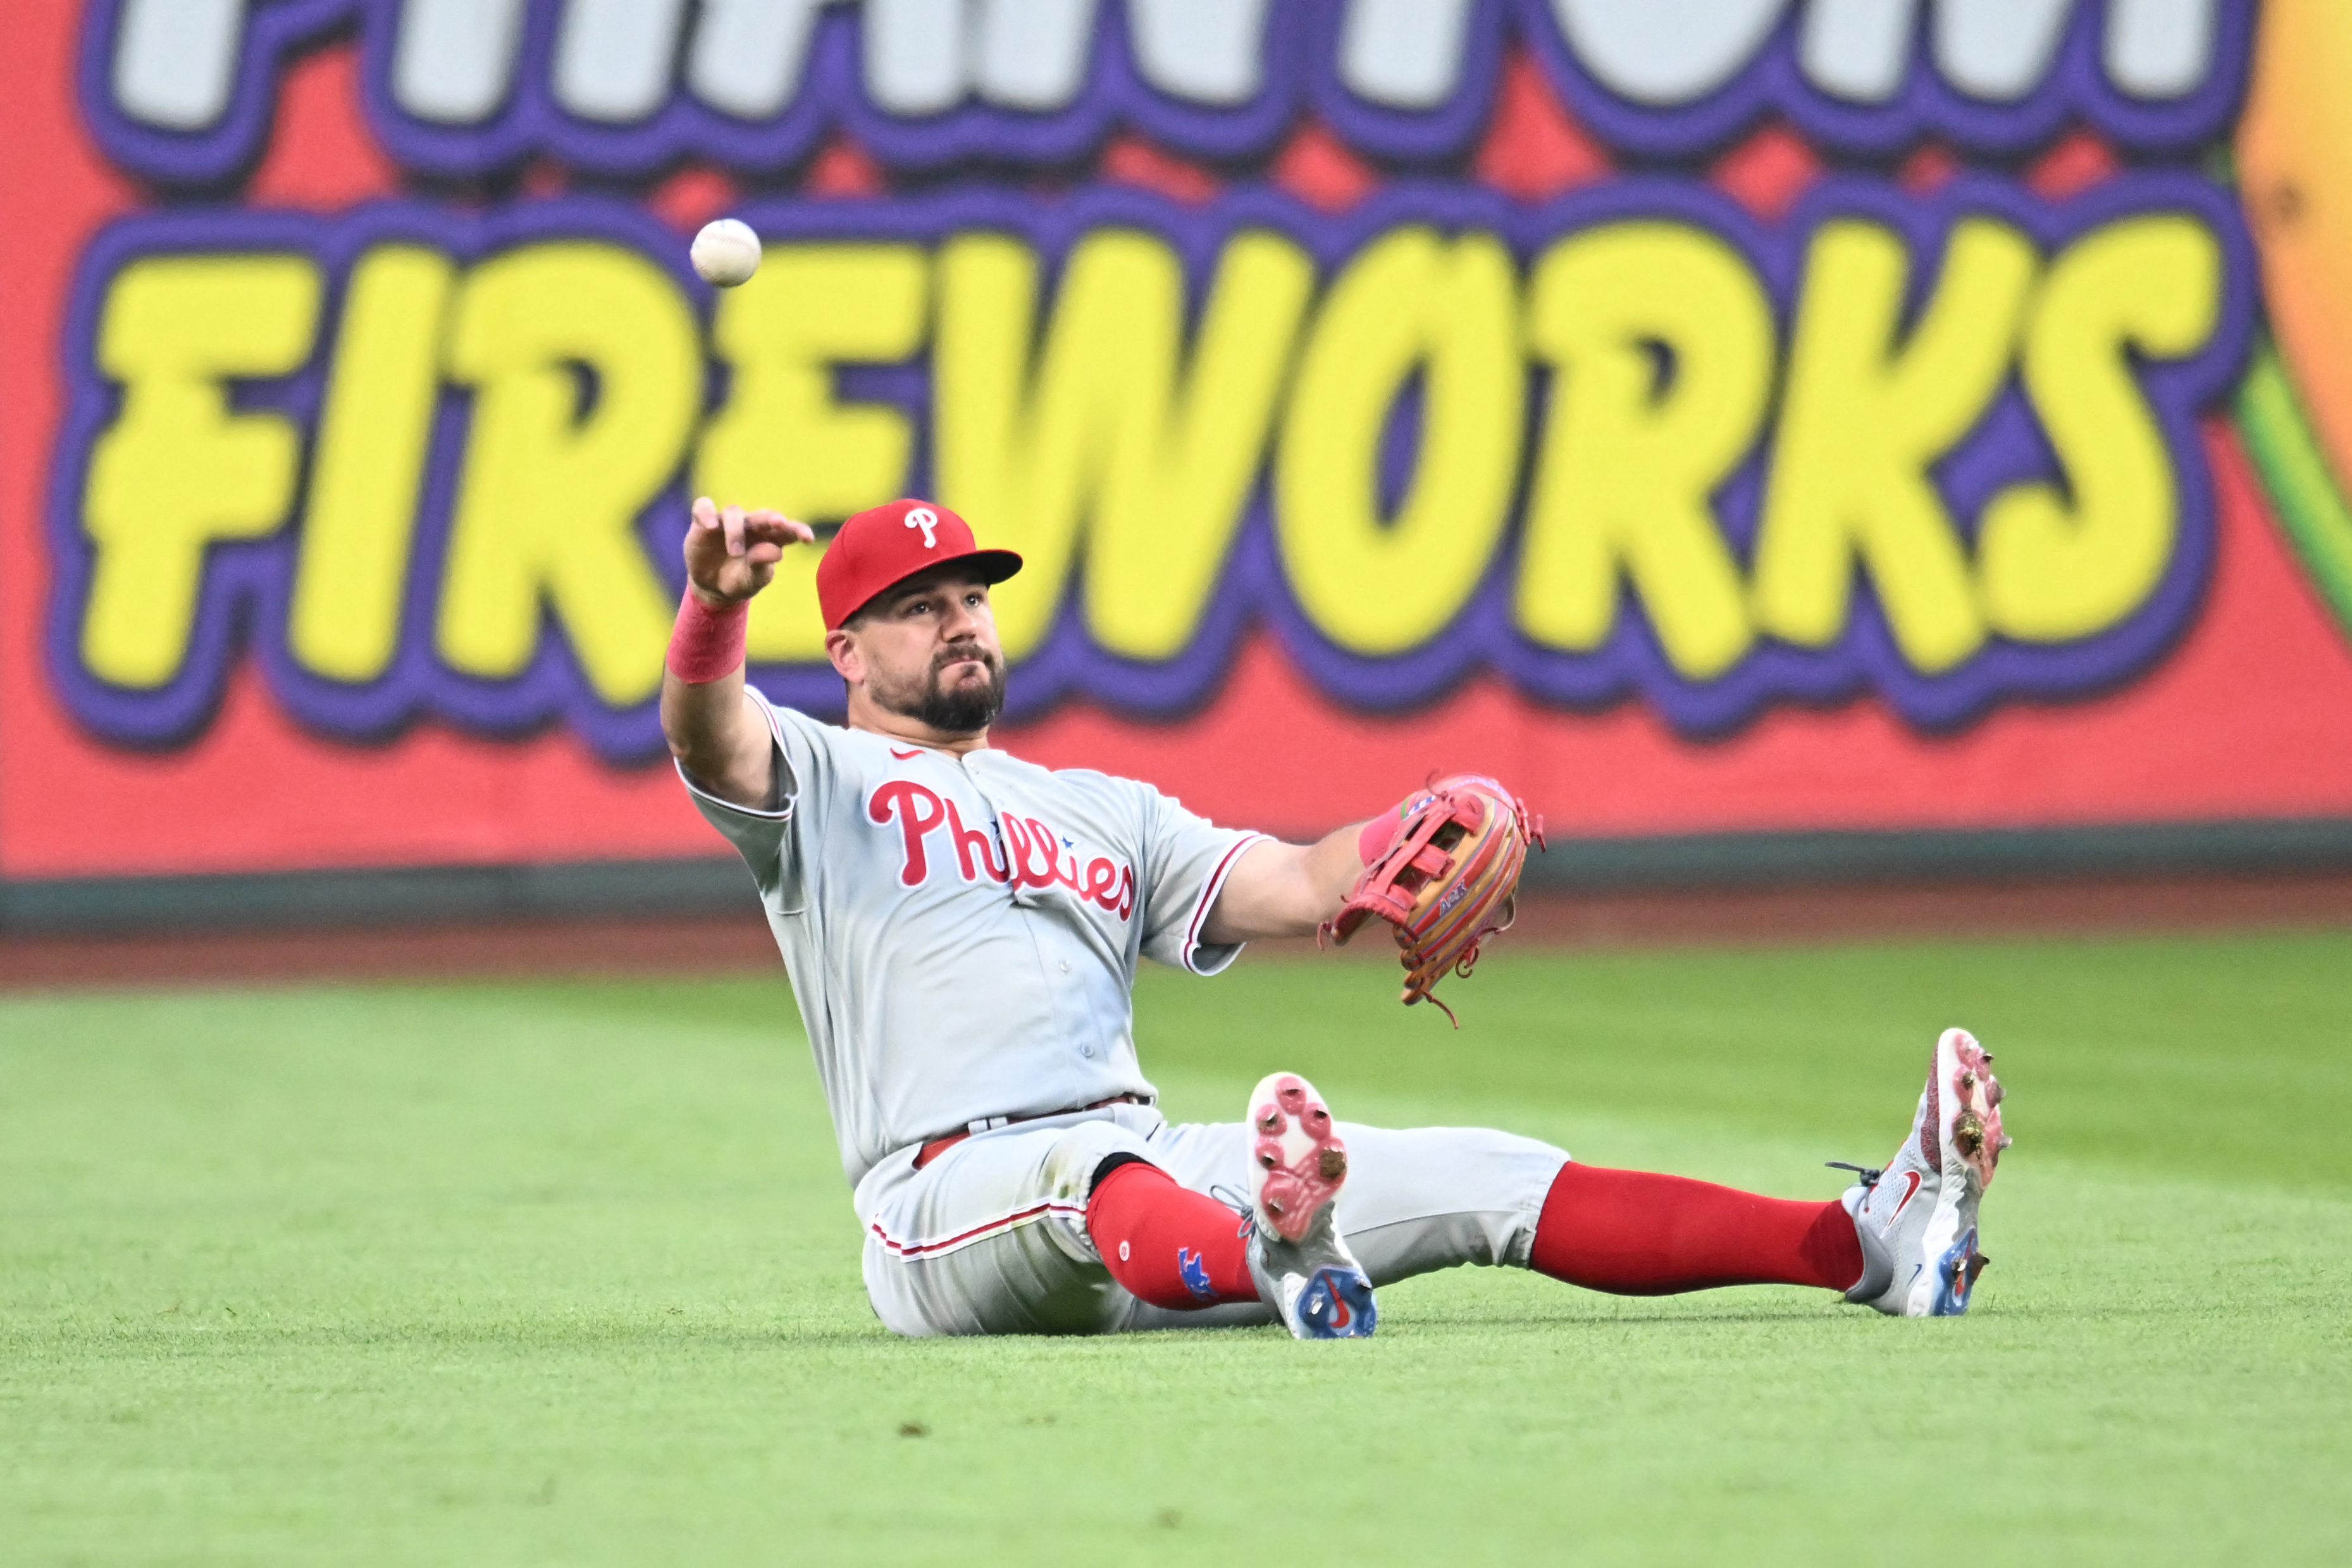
(841, 649)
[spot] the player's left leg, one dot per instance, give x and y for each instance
(1639, 1233)
(1425, 1198)
(1902, 1241)
(1416, 1200)
(1421, 1199)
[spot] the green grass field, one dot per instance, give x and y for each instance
(565, 1273)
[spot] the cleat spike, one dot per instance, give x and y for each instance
(1968, 1133)
(1334, 1163)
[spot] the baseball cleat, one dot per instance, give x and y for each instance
(1298, 1163)
(1917, 1218)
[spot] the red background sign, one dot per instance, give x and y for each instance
(2247, 716)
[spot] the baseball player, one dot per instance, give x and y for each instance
(961, 929)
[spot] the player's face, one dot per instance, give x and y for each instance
(929, 652)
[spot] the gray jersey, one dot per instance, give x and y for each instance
(963, 933)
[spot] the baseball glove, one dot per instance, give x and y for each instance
(1446, 881)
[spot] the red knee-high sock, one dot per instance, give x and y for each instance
(1167, 1244)
(1634, 1234)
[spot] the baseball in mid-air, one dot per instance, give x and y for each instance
(726, 252)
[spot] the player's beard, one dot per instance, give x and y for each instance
(963, 709)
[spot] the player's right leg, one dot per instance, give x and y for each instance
(1269, 1241)
(1072, 1225)
(991, 1235)
(1299, 1259)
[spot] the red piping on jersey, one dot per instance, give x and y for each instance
(979, 1232)
(1209, 897)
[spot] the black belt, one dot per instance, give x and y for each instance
(934, 1147)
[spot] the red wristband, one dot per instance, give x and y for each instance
(707, 644)
(1378, 835)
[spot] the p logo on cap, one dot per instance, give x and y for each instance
(882, 547)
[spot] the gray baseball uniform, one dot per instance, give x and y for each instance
(961, 935)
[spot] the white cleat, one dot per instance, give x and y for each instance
(1917, 1219)
(1301, 1266)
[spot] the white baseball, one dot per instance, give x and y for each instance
(726, 252)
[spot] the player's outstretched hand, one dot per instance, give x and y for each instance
(1447, 878)
(732, 553)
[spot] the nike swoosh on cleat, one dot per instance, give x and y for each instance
(1908, 1194)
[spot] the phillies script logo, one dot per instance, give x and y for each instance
(1033, 853)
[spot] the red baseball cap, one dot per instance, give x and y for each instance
(883, 546)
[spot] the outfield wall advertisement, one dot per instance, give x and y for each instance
(1713, 416)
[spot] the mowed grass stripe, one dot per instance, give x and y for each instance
(531, 1274)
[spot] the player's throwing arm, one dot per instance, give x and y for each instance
(720, 740)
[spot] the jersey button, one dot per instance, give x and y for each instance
(1066, 965)
(1085, 1051)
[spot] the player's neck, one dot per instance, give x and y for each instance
(875, 719)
